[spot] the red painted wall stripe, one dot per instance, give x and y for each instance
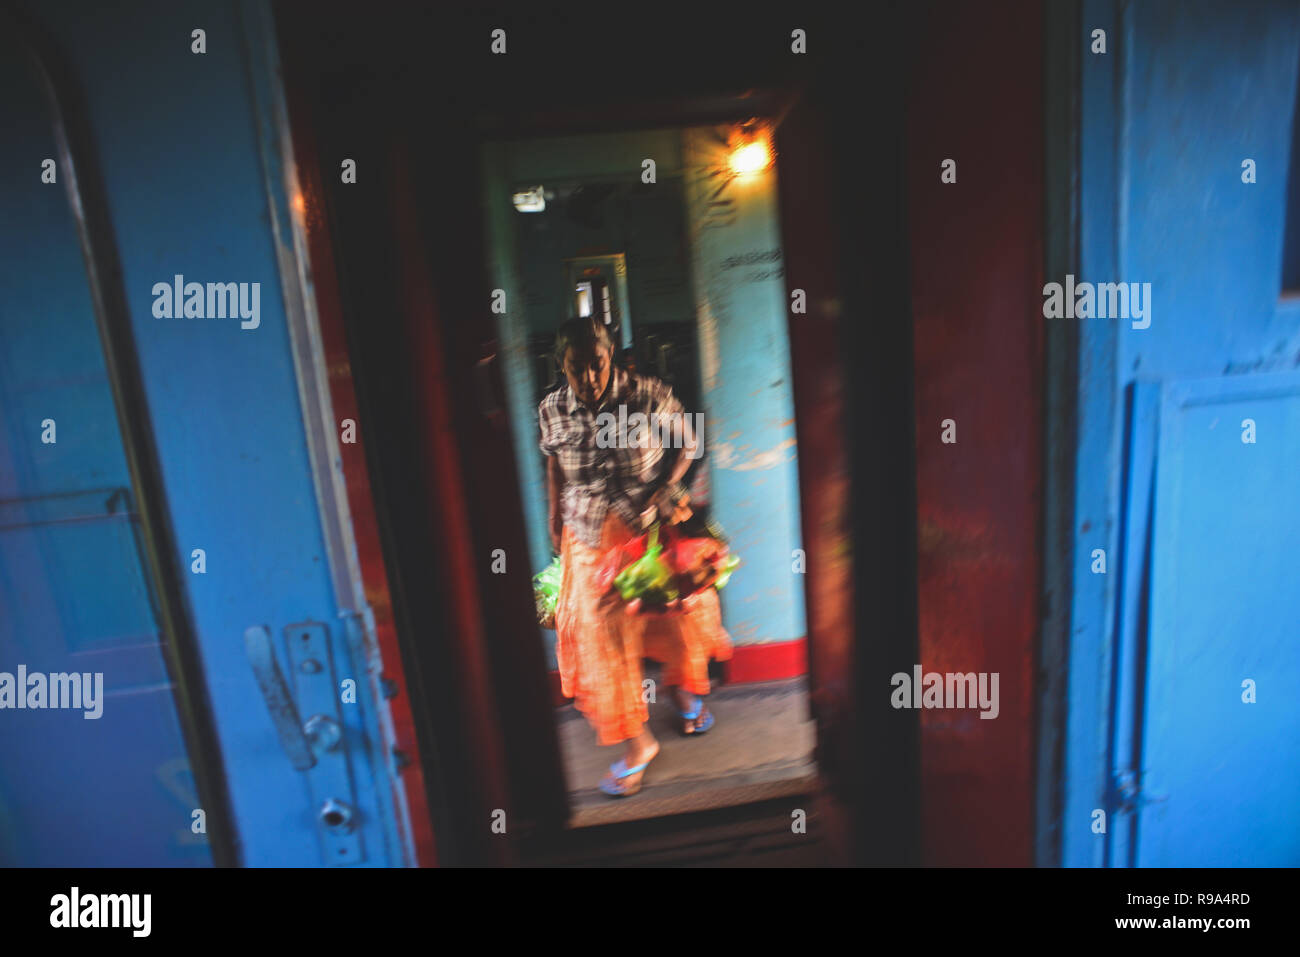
(976, 249)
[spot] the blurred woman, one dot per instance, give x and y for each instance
(600, 495)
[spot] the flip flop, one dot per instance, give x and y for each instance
(691, 716)
(620, 770)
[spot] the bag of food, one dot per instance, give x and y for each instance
(546, 591)
(656, 570)
(618, 558)
(700, 563)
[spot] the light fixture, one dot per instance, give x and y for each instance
(750, 148)
(531, 200)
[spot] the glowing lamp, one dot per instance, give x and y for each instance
(531, 200)
(751, 151)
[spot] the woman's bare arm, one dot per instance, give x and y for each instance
(554, 488)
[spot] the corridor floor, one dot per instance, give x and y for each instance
(759, 748)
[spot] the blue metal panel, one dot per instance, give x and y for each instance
(113, 789)
(183, 166)
(1222, 777)
(1208, 84)
(1128, 686)
(1092, 621)
(365, 756)
(1185, 92)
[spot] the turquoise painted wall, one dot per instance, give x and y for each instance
(740, 296)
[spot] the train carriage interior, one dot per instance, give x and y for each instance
(280, 283)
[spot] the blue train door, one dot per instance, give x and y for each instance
(1220, 715)
(93, 764)
(174, 518)
(1182, 642)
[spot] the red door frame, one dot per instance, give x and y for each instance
(365, 523)
(443, 276)
(977, 275)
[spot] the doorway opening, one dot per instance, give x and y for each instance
(684, 267)
(599, 287)
(446, 374)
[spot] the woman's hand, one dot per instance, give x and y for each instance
(609, 602)
(670, 511)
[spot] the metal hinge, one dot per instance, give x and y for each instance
(1128, 793)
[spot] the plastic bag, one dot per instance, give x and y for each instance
(649, 578)
(546, 591)
(653, 572)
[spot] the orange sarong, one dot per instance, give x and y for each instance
(599, 652)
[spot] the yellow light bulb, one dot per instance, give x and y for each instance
(750, 158)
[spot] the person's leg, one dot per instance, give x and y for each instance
(666, 642)
(625, 633)
(598, 654)
(701, 638)
(616, 646)
(640, 750)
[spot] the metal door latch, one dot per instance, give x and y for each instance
(317, 746)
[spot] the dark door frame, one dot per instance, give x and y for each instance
(824, 450)
(1062, 33)
(773, 104)
(854, 267)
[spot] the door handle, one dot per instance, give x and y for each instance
(284, 713)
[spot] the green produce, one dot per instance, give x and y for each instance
(546, 591)
(649, 577)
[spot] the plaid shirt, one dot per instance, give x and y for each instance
(597, 479)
